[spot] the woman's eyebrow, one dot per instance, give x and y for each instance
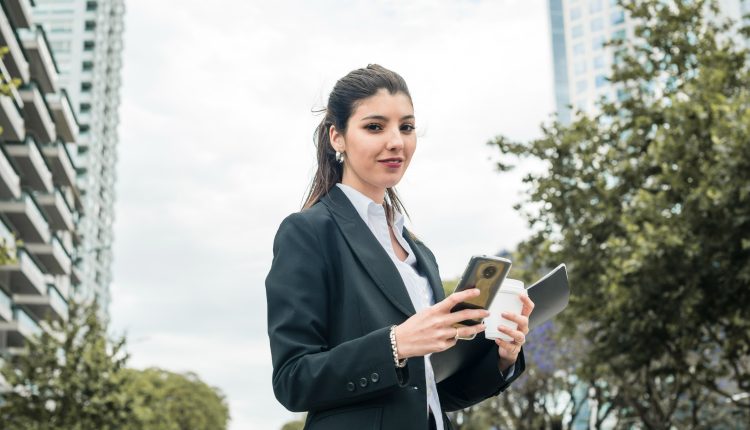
(383, 118)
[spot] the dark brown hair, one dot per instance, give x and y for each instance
(346, 94)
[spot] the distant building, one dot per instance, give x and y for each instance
(86, 39)
(40, 200)
(579, 29)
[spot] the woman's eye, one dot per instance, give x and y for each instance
(373, 127)
(408, 128)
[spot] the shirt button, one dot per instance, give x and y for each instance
(363, 382)
(374, 377)
(350, 386)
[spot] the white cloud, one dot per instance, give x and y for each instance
(216, 148)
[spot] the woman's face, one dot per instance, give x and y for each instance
(378, 143)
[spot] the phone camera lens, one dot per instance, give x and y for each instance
(489, 272)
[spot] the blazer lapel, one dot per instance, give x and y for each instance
(426, 267)
(368, 250)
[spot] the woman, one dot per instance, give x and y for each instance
(355, 301)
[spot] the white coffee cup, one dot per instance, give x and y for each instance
(506, 300)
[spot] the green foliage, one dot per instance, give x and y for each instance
(72, 379)
(294, 425)
(648, 202)
(76, 379)
(172, 401)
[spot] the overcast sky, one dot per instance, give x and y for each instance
(216, 149)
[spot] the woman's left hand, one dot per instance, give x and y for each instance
(508, 351)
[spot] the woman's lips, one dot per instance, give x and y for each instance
(391, 163)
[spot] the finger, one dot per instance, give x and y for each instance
(510, 348)
(456, 298)
(521, 320)
(518, 337)
(466, 314)
(528, 305)
(470, 331)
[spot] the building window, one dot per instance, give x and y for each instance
(60, 27)
(618, 17)
(597, 24)
(84, 128)
(580, 67)
(90, 25)
(91, 5)
(85, 107)
(576, 31)
(86, 87)
(87, 66)
(595, 6)
(88, 45)
(618, 35)
(575, 13)
(60, 46)
(581, 86)
(578, 49)
(599, 62)
(600, 81)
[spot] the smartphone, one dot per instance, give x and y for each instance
(485, 273)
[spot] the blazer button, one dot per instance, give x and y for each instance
(363, 382)
(350, 386)
(374, 377)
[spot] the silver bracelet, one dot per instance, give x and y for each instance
(399, 363)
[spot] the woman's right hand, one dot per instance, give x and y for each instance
(431, 329)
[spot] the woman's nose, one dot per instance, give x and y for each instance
(395, 139)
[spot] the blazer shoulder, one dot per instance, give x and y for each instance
(315, 218)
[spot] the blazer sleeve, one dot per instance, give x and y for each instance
(475, 384)
(308, 372)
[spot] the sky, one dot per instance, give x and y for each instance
(216, 148)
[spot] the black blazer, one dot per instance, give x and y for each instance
(333, 293)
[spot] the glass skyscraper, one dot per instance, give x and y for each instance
(579, 29)
(86, 39)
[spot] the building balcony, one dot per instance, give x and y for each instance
(21, 329)
(6, 306)
(11, 119)
(61, 164)
(26, 217)
(39, 121)
(19, 12)
(51, 255)
(65, 119)
(66, 240)
(61, 284)
(32, 167)
(51, 305)
(59, 215)
(41, 63)
(23, 276)
(75, 276)
(14, 60)
(10, 182)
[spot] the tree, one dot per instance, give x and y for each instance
(648, 202)
(71, 377)
(171, 401)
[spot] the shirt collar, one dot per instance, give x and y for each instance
(366, 206)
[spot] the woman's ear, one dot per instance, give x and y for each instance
(337, 139)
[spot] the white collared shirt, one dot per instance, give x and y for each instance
(417, 285)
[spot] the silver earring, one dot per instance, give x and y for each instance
(339, 157)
